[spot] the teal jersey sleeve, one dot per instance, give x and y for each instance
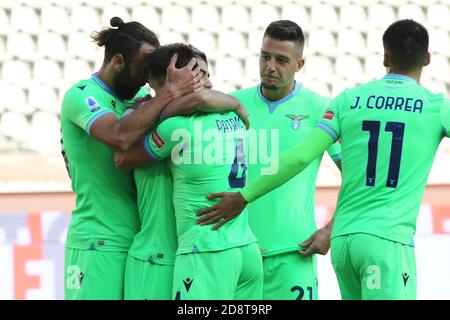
(335, 151)
(324, 102)
(445, 118)
(160, 142)
(330, 120)
(83, 109)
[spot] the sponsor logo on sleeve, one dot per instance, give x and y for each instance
(159, 142)
(329, 115)
(92, 104)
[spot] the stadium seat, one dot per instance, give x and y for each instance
(320, 87)
(439, 68)
(80, 45)
(438, 15)
(351, 42)
(318, 67)
(324, 16)
(261, 16)
(340, 85)
(75, 70)
(297, 13)
(204, 41)
(5, 24)
(232, 43)
(373, 67)
(435, 86)
(8, 144)
(16, 72)
(349, 68)
(251, 68)
(43, 98)
(171, 37)
(254, 42)
(228, 69)
(38, 4)
(21, 45)
(51, 45)
(84, 18)
(224, 86)
(25, 19)
(13, 99)
(147, 15)
(45, 134)
(439, 41)
(205, 17)
(110, 11)
(380, 16)
(14, 125)
(353, 16)
(47, 72)
(98, 4)
(322, 42)
(236, 17)
(175, 18)
(411, 11)
(55, 19)
(375, 41)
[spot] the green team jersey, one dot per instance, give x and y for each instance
(284, 217)
(105, 216)
(206, 153)
(390, 130)
(157, 239)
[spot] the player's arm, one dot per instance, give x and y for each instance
(335, 154)
(154, 147)
(121, 134)
(133, 158)
(445, 118)
(291, 163)
(206, 100)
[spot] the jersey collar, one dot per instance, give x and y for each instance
(98, 81)
(273, 104)
(394, 76)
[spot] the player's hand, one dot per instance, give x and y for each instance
(319, 242)
(186, 79)
(231, 204)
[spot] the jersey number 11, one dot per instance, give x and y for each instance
(398, 130)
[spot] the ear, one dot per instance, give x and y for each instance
(386, 61)
(427, 59)
(118, 62)
(300, 64)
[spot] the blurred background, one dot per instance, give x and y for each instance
(45, 48)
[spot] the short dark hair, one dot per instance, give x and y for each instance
(285, 30)
(124, 38)
(157, 62)
(406, 44)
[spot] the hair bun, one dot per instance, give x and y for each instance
(116, 22)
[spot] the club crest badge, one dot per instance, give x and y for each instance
(296, 120)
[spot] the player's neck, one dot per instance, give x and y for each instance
(106, 75)
(415, 74)
(275, 95)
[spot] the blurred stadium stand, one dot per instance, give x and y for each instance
(45, 47)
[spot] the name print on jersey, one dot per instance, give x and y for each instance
(389, 103)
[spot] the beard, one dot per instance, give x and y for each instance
(269, 86)
(126, 87)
